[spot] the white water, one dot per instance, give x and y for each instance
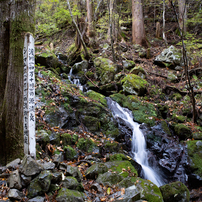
(138, 141)
(75, 81)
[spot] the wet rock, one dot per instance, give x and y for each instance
(13, 164)
(72, 183)
(37, 199)
(175, 191)
(15, 194)
(96, 169)
(14, 180)
(30, 166)
(40, 184)
(109, 179)
(65, 194)
(25, 180)
(131, 194)
(80, 66)
(74, 172)
(170, 57)
(46, 165)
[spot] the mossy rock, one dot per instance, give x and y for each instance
(66, 139)
(43, 138)
(70, 153)
(123, 168)
(72, 183)
(105, 70)
(118, 157)
(109, 178)
(175, 191)
(195, 155)
(85, 145)
(133, 84)
(65, 194)
(92, 123)
(197, 136)
(128, 64)
(97, 96)
(178, 118)
(182, 131)
(165, 127)
(96, 169)
(112, 147)
(137, 69)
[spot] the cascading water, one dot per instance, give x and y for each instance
(138, 141)
(74, 80)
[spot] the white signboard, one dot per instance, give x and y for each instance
(29, 96)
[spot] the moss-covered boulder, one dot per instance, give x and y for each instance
(175, 192)
(148, 190)
(65, 194)
(133, 84)
(96, 169)
(109, 178)
(118, 157)
(123, 168)
(178, 118)
(85, 145)
(137, 70)
(112, 147)
(80, 66)
(66, 139)
(40, 184)
(72, 183)
(70, 153)
(182, 131)
(195, 155)
(105, 70)
(73, 172)
(97, 96)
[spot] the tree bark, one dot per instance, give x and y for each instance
(182, 15)
(16, 18)
(89, 6)
(138, 31)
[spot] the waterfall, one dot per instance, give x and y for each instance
(74, 80)
(138, 141)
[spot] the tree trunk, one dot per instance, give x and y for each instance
(89, 6)
(16, 18)
(182, 15)
(138, 31)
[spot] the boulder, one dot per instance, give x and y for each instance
(30, 166)
(37, 199)
(109, 178)
(175, 192)
(74, 172)
(13, 164)
(128, 64)
(40, 184)
(15, 194)
(105, 70)
(182, 131)
(170, 57)
(80, 66)
(96, 169)
(134, 85)
(14, 180)
(65, 194)
(72, 183)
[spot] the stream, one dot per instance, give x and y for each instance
(139, 151)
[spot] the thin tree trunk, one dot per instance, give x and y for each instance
(16, 18)
(89, 6)
(182, 14)
(138, 31)
(164, 22)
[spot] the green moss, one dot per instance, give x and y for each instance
(133, 84)
(178, 118)
(177, 96)
(182, 131)
(85, 144)
(66, 139)
(164, 125)
(97, 96)
(70, 153)
(112, 147)
(195, 155)
(124, 168)
(118, 157)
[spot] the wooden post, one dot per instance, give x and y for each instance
(29, 96)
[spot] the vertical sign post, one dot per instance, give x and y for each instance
(29, 96)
